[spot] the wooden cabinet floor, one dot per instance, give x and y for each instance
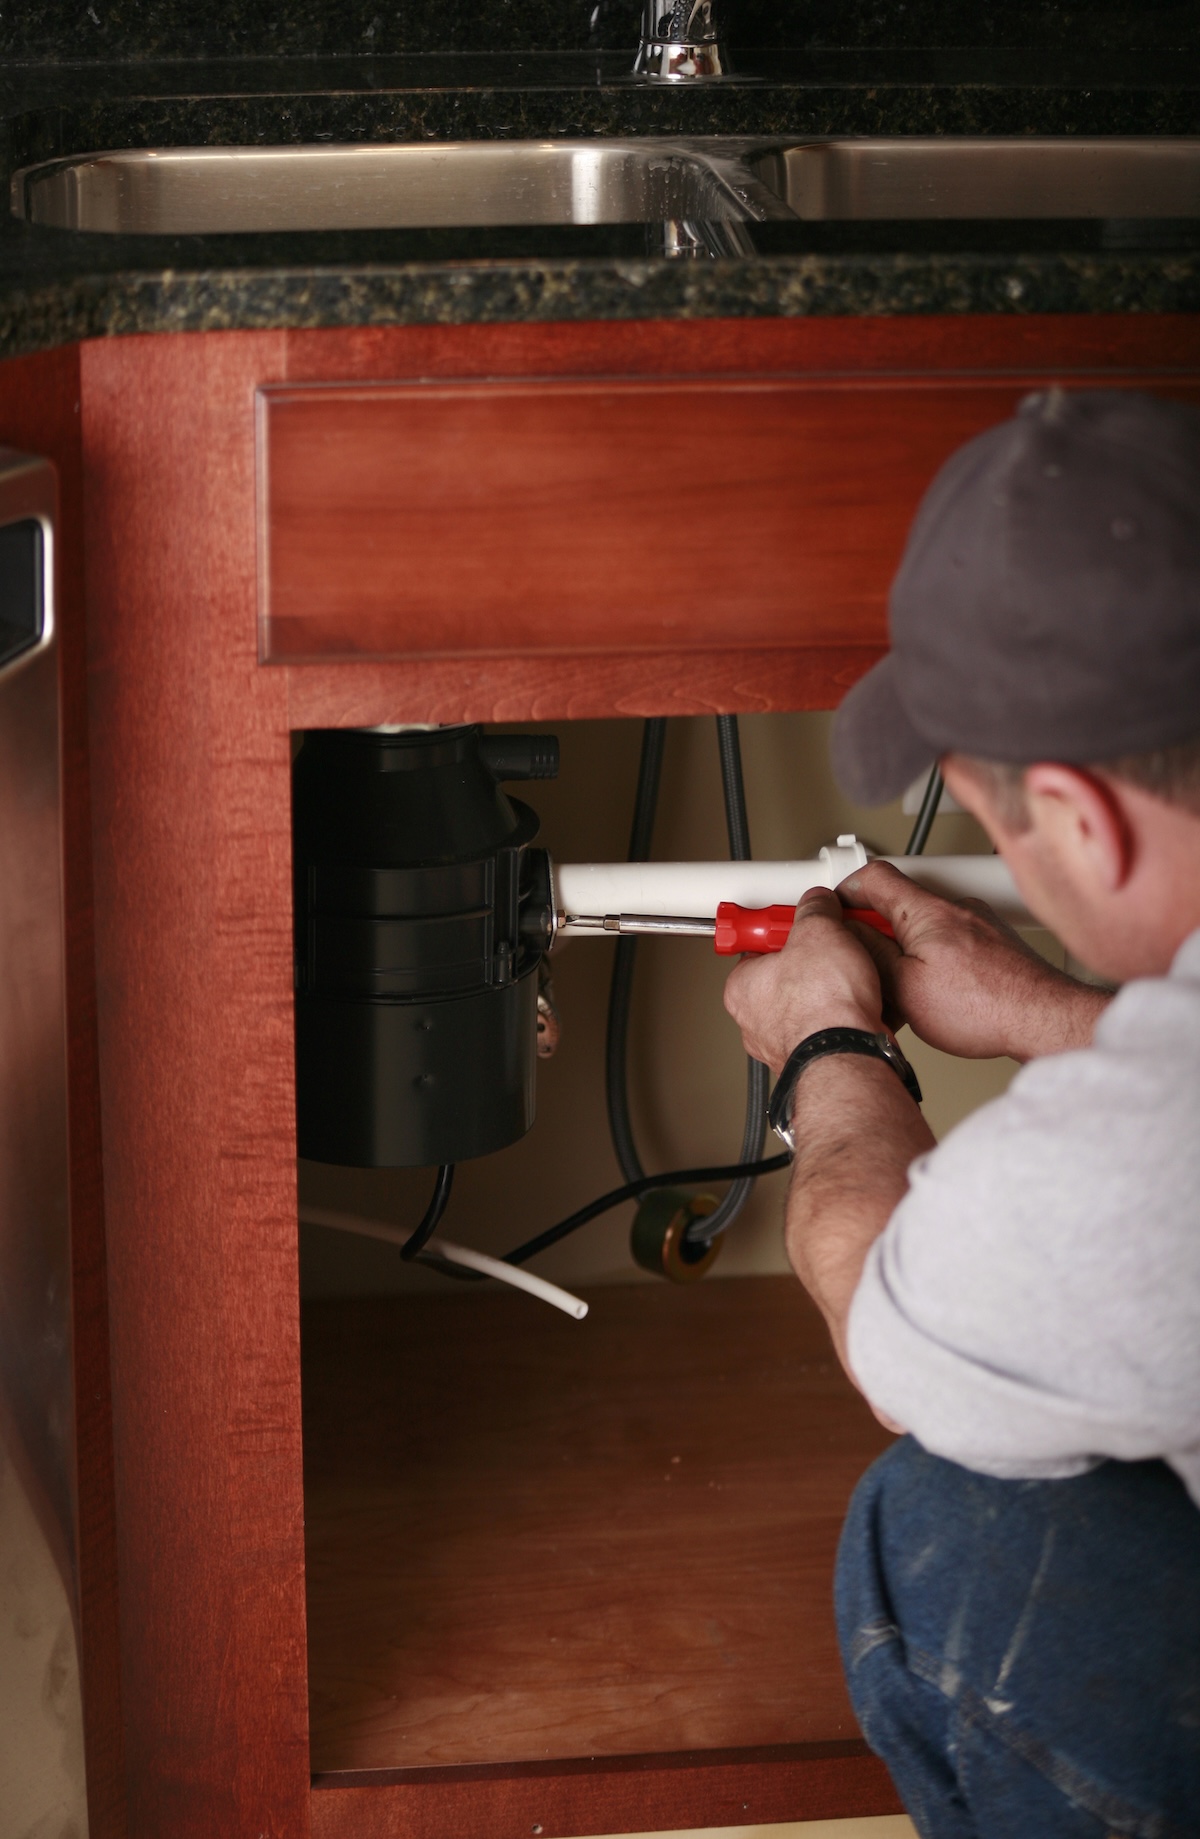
(530, 1538)
(876, 1826)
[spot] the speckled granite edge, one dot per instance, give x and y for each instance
(83, 307)
(578, 109)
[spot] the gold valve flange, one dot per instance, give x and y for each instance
(657, 1240)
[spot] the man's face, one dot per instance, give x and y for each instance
(1046, 868)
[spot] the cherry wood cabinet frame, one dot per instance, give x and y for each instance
(602, 516)
(179, 984)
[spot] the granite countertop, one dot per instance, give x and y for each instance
(57, 286)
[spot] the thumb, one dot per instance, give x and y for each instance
(818, 904)
(909, 908)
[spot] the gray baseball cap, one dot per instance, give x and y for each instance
(1048, 603)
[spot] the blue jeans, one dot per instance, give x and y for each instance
(1025, 1655)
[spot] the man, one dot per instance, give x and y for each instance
(1018, 1587)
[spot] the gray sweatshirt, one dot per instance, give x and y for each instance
(1033, 1305)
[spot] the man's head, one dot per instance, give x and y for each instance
(1046, 646)
(1107, 856)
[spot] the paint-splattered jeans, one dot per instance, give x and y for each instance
(1025, 1655)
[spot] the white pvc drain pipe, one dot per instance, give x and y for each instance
(694, 890)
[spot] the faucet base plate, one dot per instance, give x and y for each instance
(681, 61)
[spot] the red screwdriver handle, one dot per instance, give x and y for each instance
(761, 929)
(756, 929)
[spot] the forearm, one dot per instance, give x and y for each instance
(855, 1127)
(856, 1131)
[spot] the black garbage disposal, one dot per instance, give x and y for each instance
(421, 916)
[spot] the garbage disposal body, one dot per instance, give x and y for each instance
(421, 913)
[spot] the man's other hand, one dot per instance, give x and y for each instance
(963, 980)
(823, 978)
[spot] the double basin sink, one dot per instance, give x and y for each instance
(702, 192)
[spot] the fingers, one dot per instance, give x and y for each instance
(884, 952)
(888, 960)
(824, 977)
(915, 913)
(891, 893)
(734, 986)
(990, 917)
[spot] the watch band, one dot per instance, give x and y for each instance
(833, 1041)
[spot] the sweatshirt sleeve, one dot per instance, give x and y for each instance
(1033, 1305)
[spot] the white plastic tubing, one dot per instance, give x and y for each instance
(512, 1274)
(693, 890)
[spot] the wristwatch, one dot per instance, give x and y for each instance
(833, 1041)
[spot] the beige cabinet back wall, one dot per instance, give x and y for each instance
(687, 1077)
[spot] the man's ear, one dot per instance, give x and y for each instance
(1081, 817)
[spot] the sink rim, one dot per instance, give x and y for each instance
(732, 164)
(718, 161)
(964, 159)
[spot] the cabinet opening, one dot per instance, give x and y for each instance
(531, 1538)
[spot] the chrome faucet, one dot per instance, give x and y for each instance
(680, 42)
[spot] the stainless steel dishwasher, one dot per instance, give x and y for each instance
(41, 1715)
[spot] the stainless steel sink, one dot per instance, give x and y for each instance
(957, 177)
(703, 190)
(186, 190)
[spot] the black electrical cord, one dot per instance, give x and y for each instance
(616, 1045)
(929, 810)
(633, 1190)
(420, 1237)
(433, 1260)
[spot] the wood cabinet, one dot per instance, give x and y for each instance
(434, 524)
(602, 516)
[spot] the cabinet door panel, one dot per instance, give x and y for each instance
(472, 518)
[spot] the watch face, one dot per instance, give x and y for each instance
(777, 1112)
(894, 1055)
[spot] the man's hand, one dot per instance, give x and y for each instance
(857, 1129)
(823, 978)
(962, 979)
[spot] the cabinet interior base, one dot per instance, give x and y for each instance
(533, 1539)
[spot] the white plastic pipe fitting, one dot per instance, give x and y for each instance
(694, 890)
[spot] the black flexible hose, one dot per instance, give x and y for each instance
(925, 816)
(704, 1230)
(421, 1236)
(616, 1045)
(633, 1190)
(733, 785)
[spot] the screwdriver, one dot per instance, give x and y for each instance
(735, 929)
